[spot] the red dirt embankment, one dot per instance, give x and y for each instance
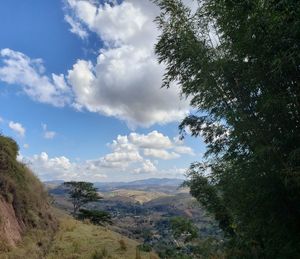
(10, 228)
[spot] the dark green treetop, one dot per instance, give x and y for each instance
(182, 227)
(81, 193)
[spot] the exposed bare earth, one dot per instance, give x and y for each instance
(10, 228)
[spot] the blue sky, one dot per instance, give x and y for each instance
(80, 91)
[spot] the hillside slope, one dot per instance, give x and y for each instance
(83, 240)
(134, 195)
(31, 228)
(24, 203)
(79, 240)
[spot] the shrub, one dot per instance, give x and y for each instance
(123, 245)
(144, 247)
(100, 254)
(96, 217)
(21, 188)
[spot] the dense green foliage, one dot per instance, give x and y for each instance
(81, 193)
(182, 227)
(96, 217)
(145, 247)
(239, 63)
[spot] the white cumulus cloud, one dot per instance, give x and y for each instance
(132, 149)
(61, 168)
(17, 68)
(147, 167)
(153, 140)
(184, 150)
(126, 79)
(48, 134)
(76, 27)
(161, 154)
(17, 128)
(130, 155)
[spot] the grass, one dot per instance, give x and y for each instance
(83, 240)
(77, 240)
(21, 190)
(34, 245)
(43, 236)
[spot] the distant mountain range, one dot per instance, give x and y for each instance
(156, 184)
(53, 182)
(151, 182)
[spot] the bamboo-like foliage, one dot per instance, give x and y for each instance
(239, 62)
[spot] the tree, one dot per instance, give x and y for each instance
(97, 217)
(81, 193)
(183, 228)
(239, 63)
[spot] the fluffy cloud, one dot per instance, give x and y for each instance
(61, 168)
(123, 155)
(130, 154)
(154, 139)
(161, 154)
(129, 150)
(147, 168)
(57, 168)
(120, 159)
(125, 81)
(76, 27)
(184, 150)
(17, 68)
(17, 128)
(48, 134)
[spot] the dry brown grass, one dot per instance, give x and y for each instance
(88, 241)
(73, 239)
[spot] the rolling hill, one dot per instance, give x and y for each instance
(155, 184)
(134, 195)
(77, 240)
(31, 228)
